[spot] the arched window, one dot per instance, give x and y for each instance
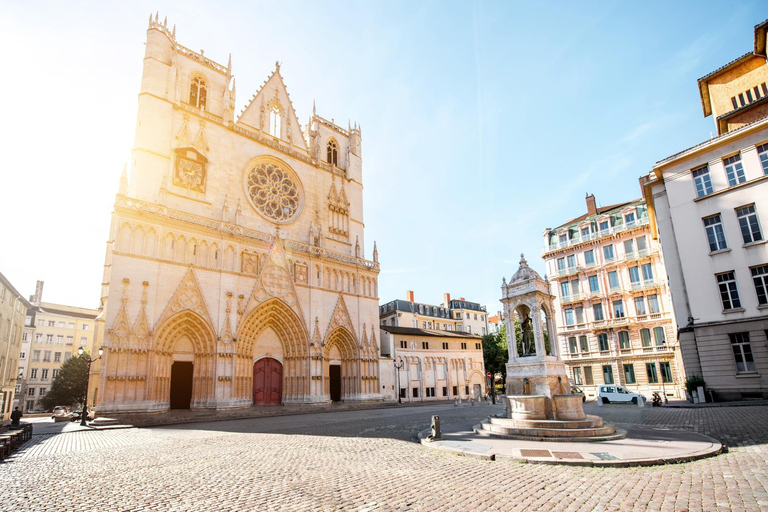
(198, 92)
(275, 123)
(333, 152)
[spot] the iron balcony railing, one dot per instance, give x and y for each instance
(594, 236)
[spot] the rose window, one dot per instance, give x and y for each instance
(273, 192)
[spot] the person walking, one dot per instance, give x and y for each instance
(16, 417)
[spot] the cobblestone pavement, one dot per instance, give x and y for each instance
(366, 461)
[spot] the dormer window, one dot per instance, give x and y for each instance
(275, 121)
(198, 91)
(333, 152)
(629, 218)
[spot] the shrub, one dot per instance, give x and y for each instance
(693, 382)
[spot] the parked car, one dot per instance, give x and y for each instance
(612, 393)
(59, 410)
(577, 390)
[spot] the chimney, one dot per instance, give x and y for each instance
(591, 207)
(446, 300)
(409, 296)
(37, 298)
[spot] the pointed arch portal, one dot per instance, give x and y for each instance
(259, 369)
(341, 357)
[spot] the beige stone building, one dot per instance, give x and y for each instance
(435, 364)
(612, 305)
(458, 315)
(13, 311)
(708, 206)
(437, 350)
(54, 333)
(235, 272)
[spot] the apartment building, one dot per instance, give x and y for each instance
(708, 205)
(459, 315)
(612, 305)
(13, 311)
(55, 332)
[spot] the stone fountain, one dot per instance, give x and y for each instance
(539, 403)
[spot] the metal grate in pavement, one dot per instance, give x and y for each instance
(567, 455)
(535, 453)
(605, 456)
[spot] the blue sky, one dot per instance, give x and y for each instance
(483, 122)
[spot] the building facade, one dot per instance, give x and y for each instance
(54, 333)
(708, 205)
(458, 315)
(13, 312)
(612, 305)
(235, 271)
(435, 364)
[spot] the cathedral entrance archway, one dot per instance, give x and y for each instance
(267, 381)
(341, 354)
(273, 330)
(335, 382)
(181, 384)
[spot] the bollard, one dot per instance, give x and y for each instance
(599, 401)
(455, 402)
(435, 428)
(640, 401)
(471, 402)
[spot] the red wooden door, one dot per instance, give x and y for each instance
(267, 381)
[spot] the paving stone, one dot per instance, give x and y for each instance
(366, 461)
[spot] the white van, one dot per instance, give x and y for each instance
(612, 393)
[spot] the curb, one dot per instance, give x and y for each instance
(716, 449)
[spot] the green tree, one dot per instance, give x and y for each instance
(495, 354)
(69, 386)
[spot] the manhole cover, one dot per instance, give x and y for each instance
(535, 453)
(567, 455)
(605, 456)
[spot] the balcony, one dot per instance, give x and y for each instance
(594, 236)
(563, 272)
(619, 322)
(652, 317)
(572, 298)
(648, 284)
(576, 327)
(637, 255)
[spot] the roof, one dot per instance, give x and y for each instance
(713, 140)
(759, 51)
(413, 331)
(600, 211)
(15, 292)
(72, 311)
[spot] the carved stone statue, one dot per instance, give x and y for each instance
(529, 348)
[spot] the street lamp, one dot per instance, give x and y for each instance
(85, 401)
(398, 366)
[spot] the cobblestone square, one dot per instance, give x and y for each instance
(366, 460)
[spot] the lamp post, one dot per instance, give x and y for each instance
(398, 366)
(85, 400)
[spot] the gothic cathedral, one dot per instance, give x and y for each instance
(235, 271)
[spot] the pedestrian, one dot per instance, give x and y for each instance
(16, 417)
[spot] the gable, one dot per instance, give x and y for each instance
(273, 95)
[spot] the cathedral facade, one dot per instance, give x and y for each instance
(235, 271)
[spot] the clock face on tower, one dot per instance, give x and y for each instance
(190, 171)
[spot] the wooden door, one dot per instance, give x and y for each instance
(267, 381)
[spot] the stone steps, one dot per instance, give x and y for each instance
(603, 433)
(588, 422)
(102, 421)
